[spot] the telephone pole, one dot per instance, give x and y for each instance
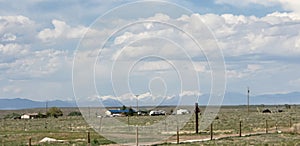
(137, 103)
(46, 108)
(248, 100)
(197, 111)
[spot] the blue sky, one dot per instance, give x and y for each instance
(260, 42)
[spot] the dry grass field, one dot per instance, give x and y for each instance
(73, 130)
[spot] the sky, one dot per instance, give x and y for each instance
(106, 49)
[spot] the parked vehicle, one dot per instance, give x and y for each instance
(157, 112)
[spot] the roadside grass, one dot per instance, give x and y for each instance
(255, 140)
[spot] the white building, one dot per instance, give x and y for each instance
(30, 116)
(25, 116)
(182, 111)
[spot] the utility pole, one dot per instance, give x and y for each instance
(248, 100)
(197, 110)
(46, 106)
(46, 114)
(137, 104)
(89, 112)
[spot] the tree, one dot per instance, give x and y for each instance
(12, 116)
(287, 106)
(40, 115)
(74, 113)
(123, 107)
(130, 112)
(54, 112)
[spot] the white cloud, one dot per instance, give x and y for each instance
(269, 38)
(292, 5)
(272, 34)
(17, 28)
(106, 97)
(15, 24)
(154, 66)
(96, 98)
(145, 33)
(11, 89)
(30, 64)
(8, 37)
(123, 38)
(235, 74)
(200, 67)
(240, 72)
(236, 34)
(253, 67)
(297, 43)
(295, 82)
(22, 56)
(61, 30)
(14, 21)
(13, 50)
(123, 97)
(190, 93)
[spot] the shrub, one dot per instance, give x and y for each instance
(12, 116)
(54, 112)
(74, 113)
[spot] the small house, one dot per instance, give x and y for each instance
(30, 116)
(33, 116)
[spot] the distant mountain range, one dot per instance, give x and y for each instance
(230, 98)
(20, 103)
(267, 99)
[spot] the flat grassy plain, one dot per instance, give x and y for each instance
(273, 139)
(74, 129)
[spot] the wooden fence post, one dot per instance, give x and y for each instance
(177, 133)
(29, 141)
(100, 123)
(290, 122)
(88, 138)
(240, 134)
(137, 135)
(266, 126)
(211, 131)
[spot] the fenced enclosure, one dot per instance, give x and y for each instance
(73, 130)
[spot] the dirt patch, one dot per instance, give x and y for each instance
(296, 128)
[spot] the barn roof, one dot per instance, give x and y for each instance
(119, 111)
(32, 114)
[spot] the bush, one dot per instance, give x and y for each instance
(74, 113)
(95, 141)
(12, 116)
(54, 112)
